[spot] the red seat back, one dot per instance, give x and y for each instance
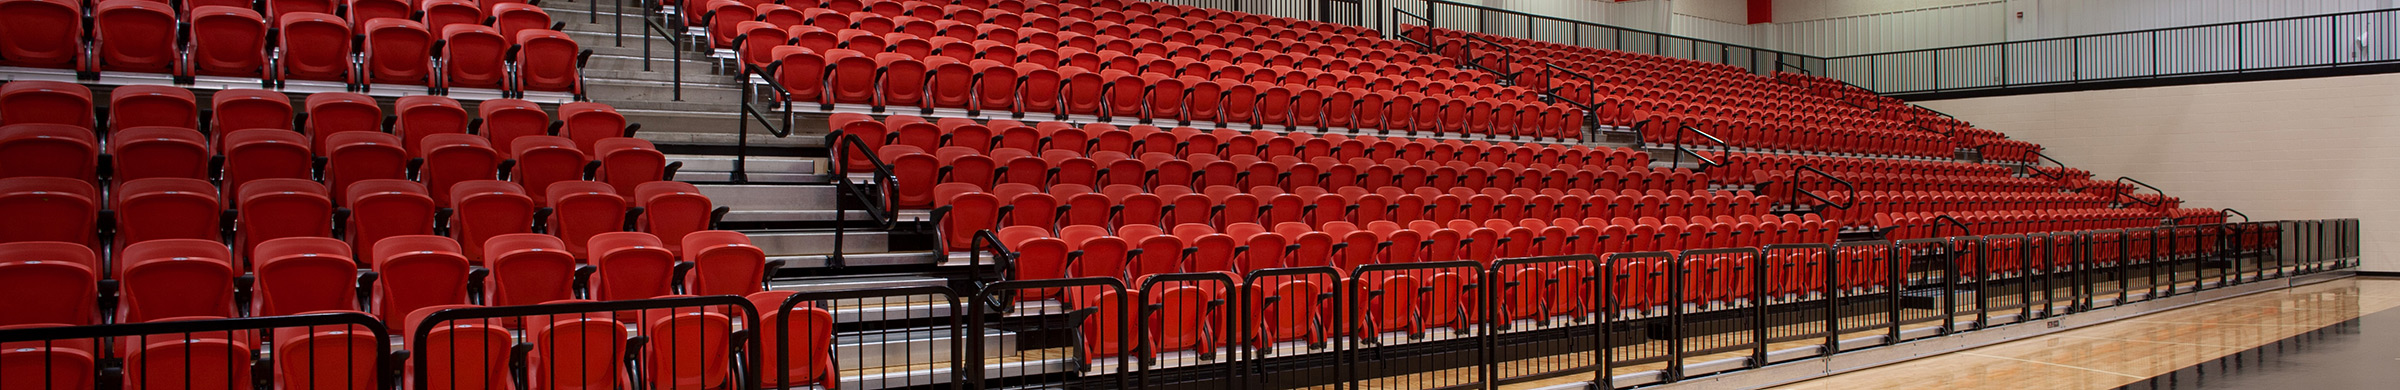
(66, 207)
(48, 283)
(542, 160)
(529, 268)
(305, 274)
(633, 265)
(473, 56)
(418, 272)
(725, 263)
(228, 41)
(137, 36)
(396, 51)
(50, 102)
(166, 207)
(385, 208)
(549, 61)
(152, 105)
(48, 150)
(175, 278)
(584, 209)
(41, 33)
(315, 45)
(486, 209)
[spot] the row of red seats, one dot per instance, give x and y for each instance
(1185, 143)
(319, 115)
(1868, 204)
(1292, 309)
(1749, 161)
(897, 79)
(1911, 225)
(1252, 44)
(1061, 206)
(668, 347)
(177, 278)
(449, 48)
(160, 209)
(1134, 251)
(1664, 130)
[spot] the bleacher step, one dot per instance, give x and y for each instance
(772, 169)
(766, 199)
(818, 241)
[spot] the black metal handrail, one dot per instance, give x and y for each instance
(1780, 66)
(2128, 194)
(1724, 151)
(1580, 24)
(1963, 230)
(751, 112)
(1508, 59)
(654, 27)
(2036, 167)
(2245, 217)
(1795, 191)
(1552, 92)
(1003, 258)
(882, 203)
(2143, 59)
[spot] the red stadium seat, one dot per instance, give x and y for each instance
(66, 207)
(633, 265)
(504, 120)
(158, 152)
(166, 207)
(549, 61)
(326, 357)
(305, 274)
(356, 156)
(47, 283)
(470, 354)
(626, 163)
(577, 353)
(486, 209)
(175, 278)
(242, 109)
(439, 15)
(335, 112)
(227, 41)
(314, 45)
(584, 209)
(418, 272)
(278, 208)
(152, 105)
(542, 160)
(136, 36)
(42, 33)
(422, 115)
(471, 56)
(396, 51)
(511, 18)
(386, 208)
(453, 158)
(529, 268)
(810, 347)
(52, 365)
(48, 150)
(689, 349)
(587, 123)
(45, 102)
(196, 361)
(724, 263)
(366, 12)
(671, 210)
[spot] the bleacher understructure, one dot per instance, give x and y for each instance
(446, 194)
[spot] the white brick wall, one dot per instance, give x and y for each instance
(2289, 149)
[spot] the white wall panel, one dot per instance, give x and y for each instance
(1718, 30)
(2277, 150)
(1965, 24)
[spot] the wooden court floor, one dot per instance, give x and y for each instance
(2123, 352)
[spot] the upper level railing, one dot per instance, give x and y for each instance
(2319, 41)
(1496, 21)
